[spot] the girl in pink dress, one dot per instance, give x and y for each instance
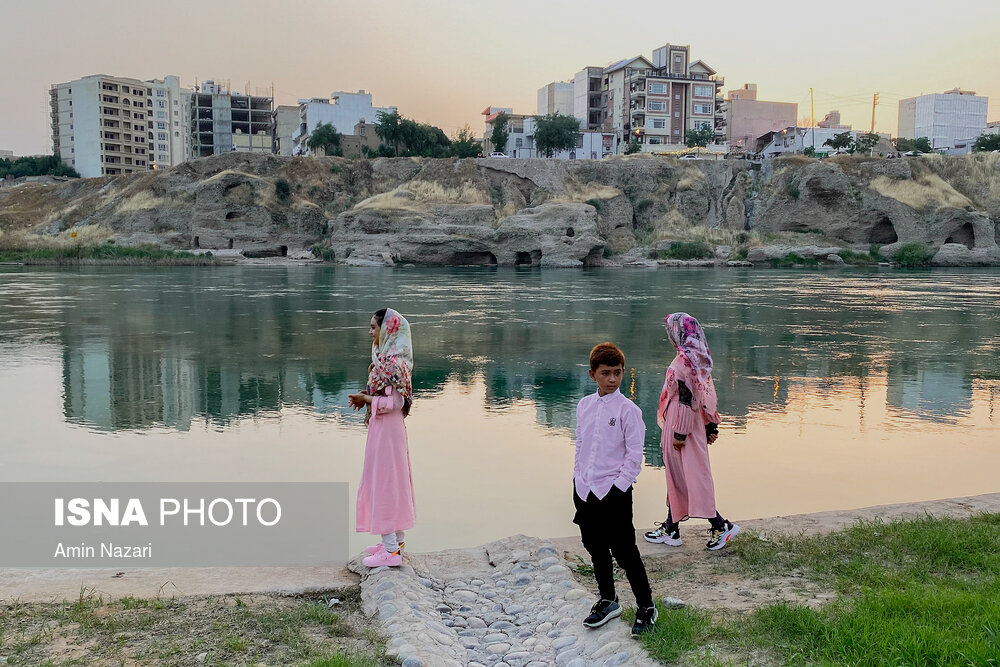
(385, 504)
(689, 420)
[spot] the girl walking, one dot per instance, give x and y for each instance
(689, 419)
(385, 504)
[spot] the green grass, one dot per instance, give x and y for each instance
(793, 259)
(687, 250)
(105, 253)
(912, 255)
(919, 593)
(858, 258)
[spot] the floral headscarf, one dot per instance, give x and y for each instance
(392, 360)
(686, 334)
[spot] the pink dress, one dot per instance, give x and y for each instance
(690, 489)
(385, 495)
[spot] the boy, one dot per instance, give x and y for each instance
(609, 438)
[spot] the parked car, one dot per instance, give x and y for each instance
(499, 155)
(912, 153)
(690, 156)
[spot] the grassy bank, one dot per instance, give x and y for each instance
(105, 253)
(228, 630)
(924, 592)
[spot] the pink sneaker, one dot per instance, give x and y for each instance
(383, 557)
(380, 547)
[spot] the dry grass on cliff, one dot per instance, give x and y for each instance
(418, 195)
(925, 192)
(584, 191)
(86, 235)
(143, 201)
(976, 176)
(691, 178)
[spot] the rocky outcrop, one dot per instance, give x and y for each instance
(534, 212)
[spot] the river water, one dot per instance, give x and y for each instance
(838, 389)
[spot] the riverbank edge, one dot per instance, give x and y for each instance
(47, 585)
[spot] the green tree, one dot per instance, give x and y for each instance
(499, 135)
(556, 132)
(987, 142)
(387, 127)
(702, 136)
(325, 138)
(840, 140)
(922, 144)
(809, 151)
(46, 165)
(864, 143)
(464, 144)
(633, 146)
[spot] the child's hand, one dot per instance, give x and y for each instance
(679, 444)
(712, 438)
(359, 401)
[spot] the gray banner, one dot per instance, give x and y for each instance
(161, 524)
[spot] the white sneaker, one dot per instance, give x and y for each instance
(720, 538)
(659, 535)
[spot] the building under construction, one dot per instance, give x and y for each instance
(224, 121)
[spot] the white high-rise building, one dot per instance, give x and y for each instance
(950, 120)
(556, 97)
(107, 125)
(342, 110)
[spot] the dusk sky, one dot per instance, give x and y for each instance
(443, 61)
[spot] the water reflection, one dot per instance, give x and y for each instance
(148, 348)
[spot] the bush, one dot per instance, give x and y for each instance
(335, 169)
(858, 258)
(282, 189)
(687, 250)
(325, 254)
(793, 259)
(608, 252)
(792, 189)
(641, 206)
(913, 254)
(596, 203)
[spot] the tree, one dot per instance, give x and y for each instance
(464, 144)
(809, 151)
(499, 135)
(556, 132)
(387, 127)
(701, 136)
(633, 146)
(864, 143)
(904, 145)
(47, 165)
(987, 142)
(840, 140)
(326, 138)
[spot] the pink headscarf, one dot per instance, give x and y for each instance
(687, 336)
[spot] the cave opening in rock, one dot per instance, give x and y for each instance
(965, 235)
(196, 243)
(883, 232)
(232, 215)
(230, 244)
(522, 259)
(475, 259)
(283, 250)
(570, 232)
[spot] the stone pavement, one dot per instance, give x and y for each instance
(510, 603)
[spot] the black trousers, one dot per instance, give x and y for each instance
(607, 530)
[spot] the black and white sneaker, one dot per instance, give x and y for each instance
(663, 534)
(719, 537)
(602, 612)
(645, 619)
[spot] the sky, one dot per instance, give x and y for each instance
(443, 61)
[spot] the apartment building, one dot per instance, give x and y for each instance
(589, 97)
(831, 121)
(285, 125)
(342, 110)
(222, 121)
(747, 118)
(951, 120)
(107, 125)
(590, 144)
(556, 97)
(657, 101)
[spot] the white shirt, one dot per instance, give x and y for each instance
(609, 438)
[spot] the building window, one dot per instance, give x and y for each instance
(703, 91)
(175, 102)
(160, 92)
(698, 124)
(163, 157)
(677, 131)
(177, 134)
(657, 88)
(677, 114)
(677, 59)
(654, 140)
(657, 106)
(659, 123)
(161, 136)
(176, 124)
(703, 108)
(161, 103)
(161, 114)
(677, 96)
(161, 147)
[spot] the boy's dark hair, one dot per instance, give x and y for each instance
(606, 354)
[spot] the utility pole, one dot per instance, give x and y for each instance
(874, 104)
(812, 117)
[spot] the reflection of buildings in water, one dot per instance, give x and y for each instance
(87, 383)
(937, 393)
